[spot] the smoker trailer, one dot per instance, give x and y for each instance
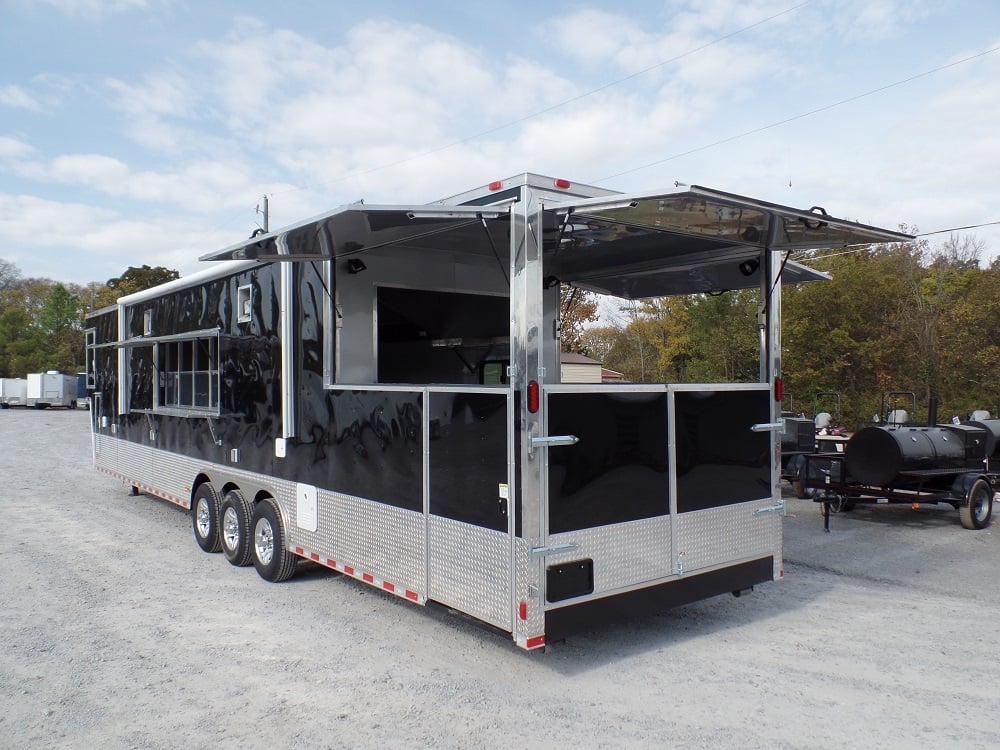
(953, 464)
(377, 389)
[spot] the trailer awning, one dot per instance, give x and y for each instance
(681, 241)
(351, 230)
(692, 239)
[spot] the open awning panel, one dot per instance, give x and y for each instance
(687, 241)
(682, 241)
(355, 229)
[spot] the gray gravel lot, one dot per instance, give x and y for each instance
(119, 632)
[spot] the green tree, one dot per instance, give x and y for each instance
(134, 279)
(577, 308)
(724, 340)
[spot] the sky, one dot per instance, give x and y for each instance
(149, 131)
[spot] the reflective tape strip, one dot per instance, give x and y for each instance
(347, 570)
(186, 504)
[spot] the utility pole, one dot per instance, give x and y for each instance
(265, 212)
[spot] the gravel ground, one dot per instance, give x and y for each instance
(119, 632)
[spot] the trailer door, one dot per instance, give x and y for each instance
(608, 495)
(722, 477)
(469, 523)
(664, 481)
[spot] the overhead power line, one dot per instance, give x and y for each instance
(811, 112)
(960, 229)
(861, 246)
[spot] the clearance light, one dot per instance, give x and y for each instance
(522, 610)
(779, 390)
(496, 185)
(561, 183)
(533, 396)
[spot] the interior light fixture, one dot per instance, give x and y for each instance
(356, 265)
(749, 267)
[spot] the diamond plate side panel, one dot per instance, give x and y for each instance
(624, 554)
(527, 590)
(729, 534)
(105, 452)
(136, 462)
(382, 540)
(469, 569)
(174, 473)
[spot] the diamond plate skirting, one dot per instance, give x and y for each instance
(383, 540)
(727, 535)
(624, 554)
(469, 570)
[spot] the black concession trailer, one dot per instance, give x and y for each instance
(377, 389)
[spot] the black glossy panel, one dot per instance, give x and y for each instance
(618, 470)
(468, 457)
(363, 443)
(720, 460)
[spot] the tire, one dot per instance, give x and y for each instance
(272, 559)
(205, 517)
(975, 512)
(801, 491)
(234, 528)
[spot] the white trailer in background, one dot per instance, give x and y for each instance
(13, 392)
(51, 388)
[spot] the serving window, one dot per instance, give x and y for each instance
(428, 336)
(188, 374)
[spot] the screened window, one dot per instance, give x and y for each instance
(189, 374)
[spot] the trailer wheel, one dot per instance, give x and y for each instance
(975, 512)
(273, 560)
(205, 517)
(801, 491)
(234, 528)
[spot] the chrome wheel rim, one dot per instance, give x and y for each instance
(230, 528)
(263, 541)
(203, 518)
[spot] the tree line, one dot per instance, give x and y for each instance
(42, 321)
(894, 320)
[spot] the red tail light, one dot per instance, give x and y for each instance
(533, 396)
(779, 390)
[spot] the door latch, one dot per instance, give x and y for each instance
(778, 508)
(549, 441)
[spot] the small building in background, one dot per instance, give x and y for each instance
(577, 368)
(611, 376)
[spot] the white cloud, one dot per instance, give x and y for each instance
(96, 7)
(17, 98)
(74, 241)
(14, 148)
